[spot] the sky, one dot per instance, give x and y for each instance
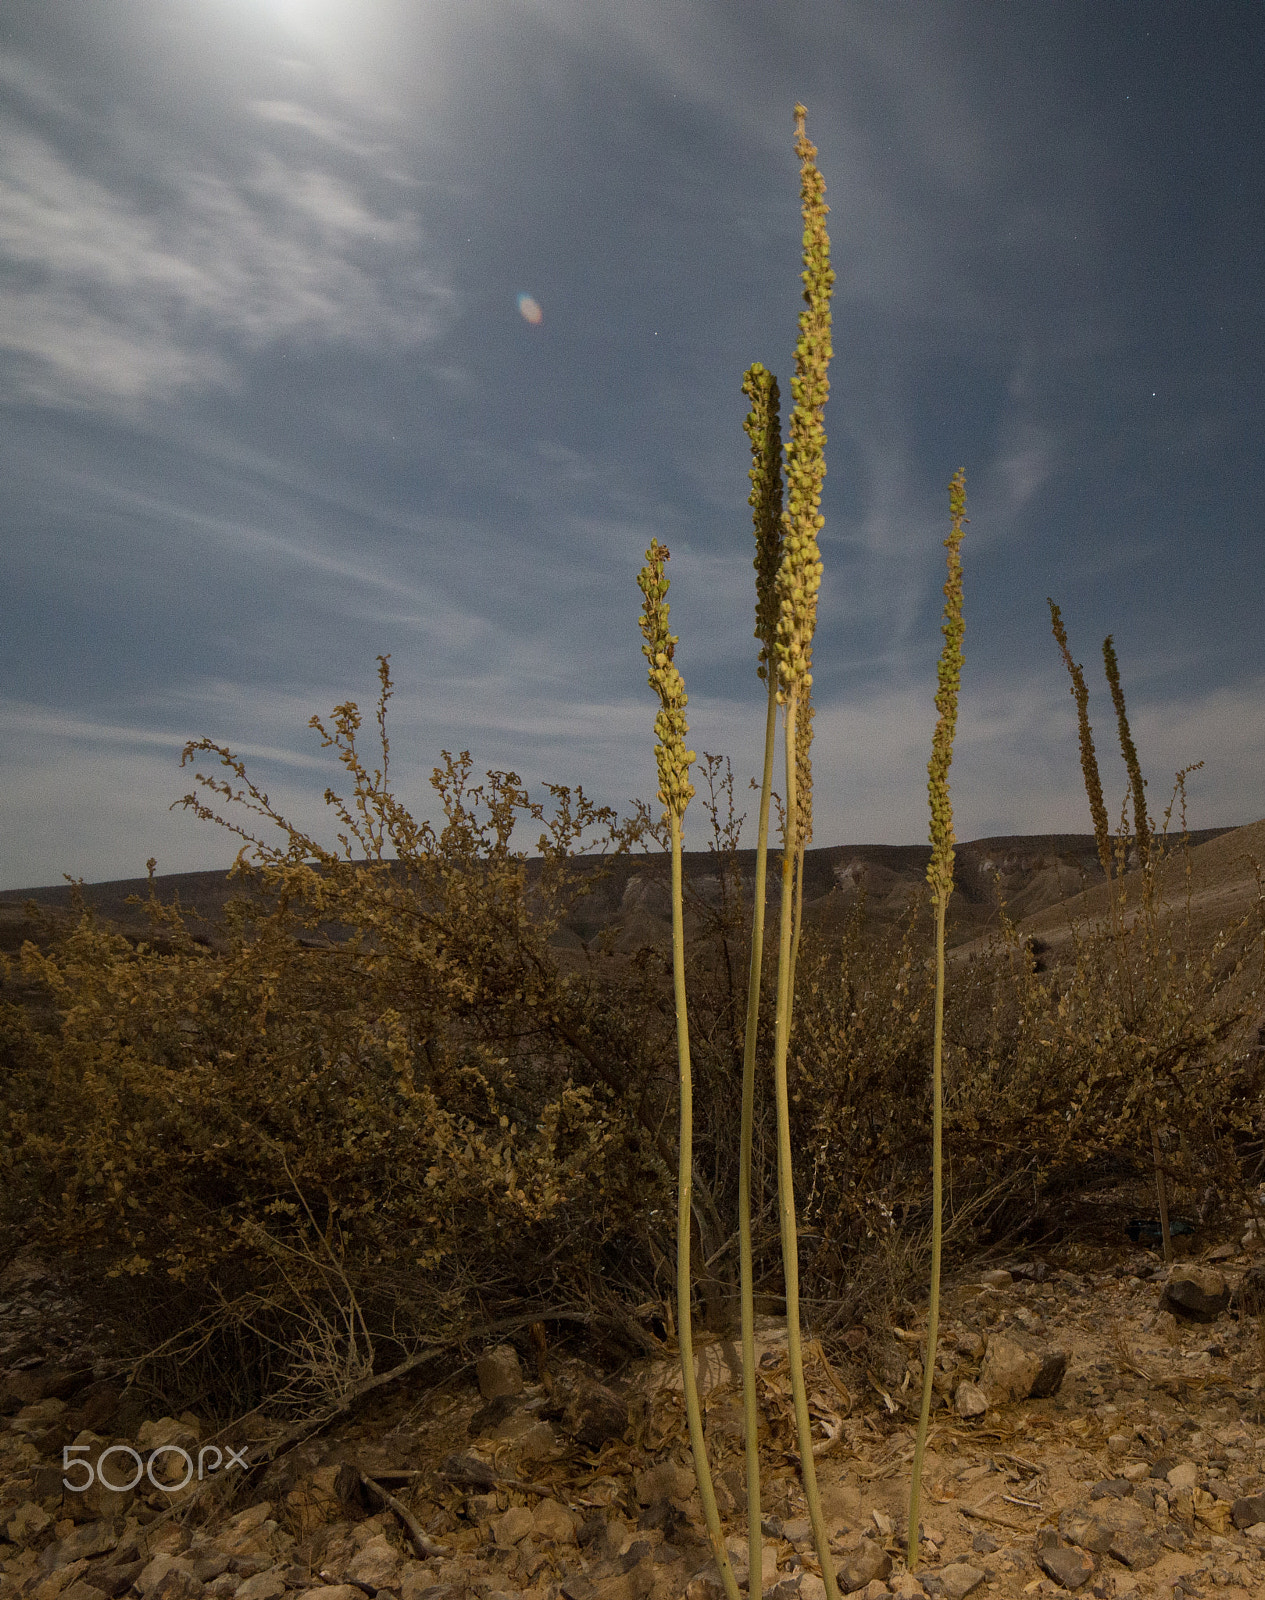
(332, 329)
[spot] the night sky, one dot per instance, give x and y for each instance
(272, 406)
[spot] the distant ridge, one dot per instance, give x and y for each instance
(1030, 872)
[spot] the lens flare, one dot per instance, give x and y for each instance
(529, 310)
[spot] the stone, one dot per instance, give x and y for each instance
(177, 1583)
(512, 1526)
(156, 1570)
(595, 1415)
(27, 1523)
(333, 1591)
(876, 1589)
(958, 1579)
(799, 1586)
(1135, 1550)
(907, 1587)
(499, 1373)
(166, 1431)
(868, 1561)
(1197, 1294)
(1079, 1528)
(1112, 1489)
(1247, 1511)
(376, 1564)
(554, 1522)
(997, 1278)
(1010, 1369)
(1256, 1533)
(1068, 1567)
(1050, 1375)
(1185, 1475)
(667, 1480)
(113, 1579)
(970, 1400)
(92, 1539)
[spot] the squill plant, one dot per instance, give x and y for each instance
(940, 877)
(798, 582)
(763, 428)
(675, 793)
(1142, 832)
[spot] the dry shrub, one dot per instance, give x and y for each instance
(380, 1110)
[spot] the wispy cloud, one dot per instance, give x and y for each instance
(140, 286)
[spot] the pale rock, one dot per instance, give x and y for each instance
(970, 1400)
(28, 1522)
(167, 1430)
(376, 1563)
(907, 1587)
(1197, 1293)
(553, 1521)
(263, 1586)
(958, 1579)
(512, 1526)
(876, 1589)
(1010, 1369)
(1185, 1475)
(1256, 1533)
(667, 1480)
(333, 1591)
(499, 1373)
(867, 1561)
(997, 1278)
(153, 1573)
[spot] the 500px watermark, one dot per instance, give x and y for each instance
(72, 1458)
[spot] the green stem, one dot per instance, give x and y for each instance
(785, 1176)
(684, 1330)
(933, 1306)
(746, 1268)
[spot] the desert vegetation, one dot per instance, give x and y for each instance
(385, 1106)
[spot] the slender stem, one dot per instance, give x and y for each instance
(785, 1176)
(746, 1268)
(1161, 1189)
(684, 1331)
(933, 1307)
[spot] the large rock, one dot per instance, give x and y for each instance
(1197, 1294)
(376, 1564)
(867, 1562)
(1068, 1567)
(499, 1373)
(970, 1400)
(595, 1415)
(958, 1579)
(1015, 1369)
(1247, 1511)
(92, 1539)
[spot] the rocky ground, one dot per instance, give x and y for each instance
(1100, 1430)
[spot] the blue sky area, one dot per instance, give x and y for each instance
(271, 407)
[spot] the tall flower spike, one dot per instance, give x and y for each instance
(1137, 784)
(799, 576)
(1089, 760)
(672, 758)
(764, 428)
(948, 682)
(940, 876)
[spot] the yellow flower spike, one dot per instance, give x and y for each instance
(675, 793)
(798, 583)
(940, 877)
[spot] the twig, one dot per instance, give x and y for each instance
(423, 1545)
(990, 1516)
